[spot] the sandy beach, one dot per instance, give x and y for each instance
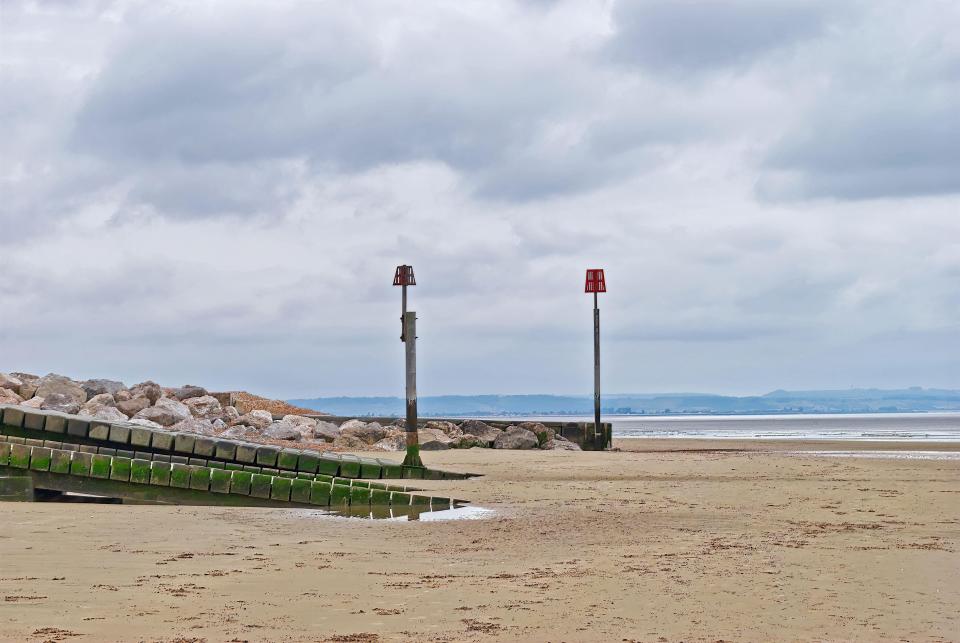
(665, 540)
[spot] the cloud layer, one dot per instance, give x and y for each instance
(218, 192)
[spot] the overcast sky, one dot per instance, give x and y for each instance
(218, 193)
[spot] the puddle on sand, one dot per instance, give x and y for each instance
(875, 454)
(468, 512)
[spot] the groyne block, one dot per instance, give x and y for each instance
(60, 461)
(267, 456)
(13, 417)
(380, 497)
(439, 504)
(205, 447)
(34, 420)
(357, 483)
(349, 466)
(247, 453)
(20, 456)
(120, 469)
(286, 474)
(140, 437)
(200, 478)
(140, 471)
(399, 499)
(100, 466)
(328, 464)
(179, 459)
(419, 501)
(390, 469)
(260, 485)
(98, 430)
(287, 459)
(320, 493)
(359, 496)
(280, 488)
(160, 457)
(162, 441)
(124, 453)
(160, 473)
(33, 442)
(240, 482)
(220, 480)
(413, 472)
(300, 490)
(55, 423)
(52, 444)
(213, 464)
(40, 458)
(225, 450)
(107, 451)
(339, 495)
(197, 462)
(88, 448)
(77, 427)
(4, 453)
(370, 469)
(308, 462)
(179, 475)
(119, 433)
(183, 443)
(80, 464)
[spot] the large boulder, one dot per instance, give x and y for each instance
(449, 429)
(544, 433)
(369, 433)
(133, 405)
(123, 395)
(327, 431)
(240, 432)
(482, 431)
(60, 402)
(350, 442)
(10, 383)
(33, 403)
(9, 396)
(150, 390)
(560, 444)
(188, 391)
(433, 440)
(144, 422)
(193, 425)
(98, 387)
(396, 442)
(28, 388)
(103, 399)
(516, 438)
(282, 430)
(58, 384)
(205, 407)
(304, 425)
(162, 415)
(256, 419)
(174, 406)
(107, 413)
(230, 413)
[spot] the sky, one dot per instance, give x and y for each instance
(218, 193)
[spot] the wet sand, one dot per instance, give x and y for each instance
(704, 540)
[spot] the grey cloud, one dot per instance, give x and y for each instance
(694, 35)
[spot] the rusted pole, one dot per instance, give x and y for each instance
(596, 367)
(412, 458)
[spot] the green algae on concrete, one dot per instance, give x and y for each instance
(280, 490)
(140, 471)
(267, 456)
(260, 485)
(287, 459)
(220, 480)
(4, 453)
(359, 496)
(120, 469)
(339, 495)
(240, 482)
(247, 453)
(320, 493)
(179, 475)
(60, 461)
(413, 472)
(20, 456)
(379, 497)
(370, 469)
(399, 499)
(349, 466)
(300, 490)
(80, 464)
(419, 501)
(390, 469)
(100, 466)
(40, 458)
(307, 462)
(200, 478)
(328, 464)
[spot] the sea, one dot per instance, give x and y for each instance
(907, 427)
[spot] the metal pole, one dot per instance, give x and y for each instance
(412, 458)
(596, 367)
(403, 314)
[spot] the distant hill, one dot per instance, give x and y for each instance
(844, 401)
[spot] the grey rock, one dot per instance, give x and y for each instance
(205, 407)
(368, 433)
(240, 432)
(7, 396)
(544, 433)
(28, 388)
(219, 424)
(98, 387)
(101, 412)
(133, 406)
(144, 422)
(33, 403)
(58, 384)
(257, 419)
(123, 396)
(10, 383)
(160, 415)
(150, 390)
(103, 399)
(449, 429)
(282, 430)
(559, 444)
(304, 425)
(230, 413)
(516, 438)
(391, 443)
(433, 440)
(193, 425)
(60, 402)
(481, 430)
(188, 391)
(327, 431)
(350, 442)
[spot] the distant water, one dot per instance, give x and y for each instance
(919, 427)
